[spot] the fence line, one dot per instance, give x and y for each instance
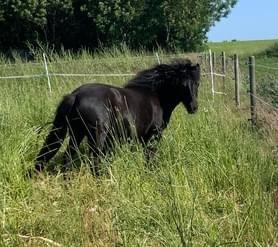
(64, 75)
(90, 75)
(83, 75)
(266, 67)
(234, 69)
(22, 76)
(208, 59)
(48, 74)
(214, 73)
(87, 74)
(265, 103)
(112, 59)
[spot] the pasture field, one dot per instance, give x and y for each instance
(242, 48)
(213, 182)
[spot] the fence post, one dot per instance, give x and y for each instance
(252, 92)
(236, 70)
(46, 72)
(214, 60)
(201, 58)
(157, 57)
(224, 69)
(211, 73)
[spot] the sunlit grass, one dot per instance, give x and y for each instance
(213, 181)
(242, 48)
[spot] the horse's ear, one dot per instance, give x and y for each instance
(198, 67)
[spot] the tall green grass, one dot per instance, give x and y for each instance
(213, 181)
(242, 48)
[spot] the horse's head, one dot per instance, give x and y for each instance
(190, 77)
(174, 83)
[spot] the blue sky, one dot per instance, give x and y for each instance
(248, 20)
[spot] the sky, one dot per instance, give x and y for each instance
(248, 20)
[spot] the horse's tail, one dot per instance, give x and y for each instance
(57, 134)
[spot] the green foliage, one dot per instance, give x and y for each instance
(268, 88)
(76, 23)
(172, 24)
(60, 21)
(242, 48)
(21, 21)
(272, 51)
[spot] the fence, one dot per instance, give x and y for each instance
(232, 69)
(214, 67)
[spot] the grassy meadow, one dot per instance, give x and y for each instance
(242, 48)
(213, 182)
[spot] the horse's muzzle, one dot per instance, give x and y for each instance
(192, 110)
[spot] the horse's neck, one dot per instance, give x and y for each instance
(168, 108)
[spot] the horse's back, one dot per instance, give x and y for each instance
(96, 104)
(92, 102)
(112, 97)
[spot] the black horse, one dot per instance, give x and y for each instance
(103, 113)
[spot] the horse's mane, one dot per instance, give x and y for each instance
(160, 74)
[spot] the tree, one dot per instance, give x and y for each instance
(60, 20)
(151, 23)
(20, 21)
(188, 21)
(88, 23)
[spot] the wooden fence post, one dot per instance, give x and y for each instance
(252, 92)
(47, 73)
(236, 70)
(157, 57)
(211, 68)
(213, 60)
(223, 69)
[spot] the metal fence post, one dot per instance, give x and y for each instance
(252, 92)
(236, 70)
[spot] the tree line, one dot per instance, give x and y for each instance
(74, 24)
